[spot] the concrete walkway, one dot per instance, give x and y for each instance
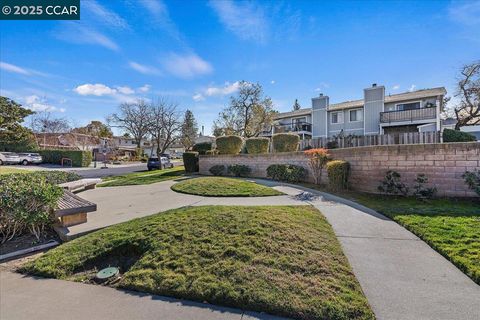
(402, 277)
(27, 298)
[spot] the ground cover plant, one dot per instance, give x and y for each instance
(143, 177)
(223, 187)
(7, 170)
(283, 260)
(450, 226)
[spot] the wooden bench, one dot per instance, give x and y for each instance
(72, 210)
(82, 184)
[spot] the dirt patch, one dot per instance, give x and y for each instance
(27, 241)
(123, 258)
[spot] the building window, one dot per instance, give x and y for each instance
(356, 115)
(408, 106)
(337, 117)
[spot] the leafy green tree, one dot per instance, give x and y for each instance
(189, 130)
(13, 135)
(95, 128)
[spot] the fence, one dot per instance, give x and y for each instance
(372, 140)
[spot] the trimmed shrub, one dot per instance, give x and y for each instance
(229, 144)
(257, 145)
(421, 192)
(27, 202)
(332, 144)
(217, 170)
(190, 161)
(338, 173)
(317, 159)
(472, 179)
(202, 148)
(56, 177)
(450, 135)
(285, 142)
(79, 158)
(211, 152)
(286, 172)
(392, 185)
(239, 170)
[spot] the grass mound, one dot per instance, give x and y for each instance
(223, 187)
(282, 260)
(143, 177)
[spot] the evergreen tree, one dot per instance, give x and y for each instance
(14, 136)
(296, 105)
(189, 130)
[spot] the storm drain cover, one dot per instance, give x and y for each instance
(107, 273)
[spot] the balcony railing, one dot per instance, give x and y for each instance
(408, 115)
(294, 127)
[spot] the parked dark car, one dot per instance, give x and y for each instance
(156, 163)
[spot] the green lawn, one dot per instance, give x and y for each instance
(452, 227)
(6, 170)
(143, 177)
(223, 187)
(283, 260)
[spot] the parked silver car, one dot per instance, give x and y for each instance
(28, 158)
(9, 158)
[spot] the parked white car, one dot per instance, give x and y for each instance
(29, 158)
(9, 158)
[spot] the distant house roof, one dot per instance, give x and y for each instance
(418, 94)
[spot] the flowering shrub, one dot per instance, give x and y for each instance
(317, 160)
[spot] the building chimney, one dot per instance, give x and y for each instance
(374, 85)
(203, 130)
(320, 95)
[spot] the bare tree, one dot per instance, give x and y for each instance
(248, 113)
(134, 118)
(164, 124)
(45, 122)
(467, 111)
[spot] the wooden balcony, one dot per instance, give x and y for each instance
(408, 115)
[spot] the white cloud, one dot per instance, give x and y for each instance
(144, 88)
(13, 68)
(322, 86)
(77, 33)
(225, 90)
(198, 97)
(412, 87)
(244, 19)
(396, 87)
(187, 66)
(161, 18)
(144, 69)
(467, 13)
(156, 8)
(125, 90)
(36, 103)
(97, 89)
(105, 15)
(272, 82)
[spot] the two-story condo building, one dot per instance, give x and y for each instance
(376, 113)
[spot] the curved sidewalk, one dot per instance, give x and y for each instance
(401, 276)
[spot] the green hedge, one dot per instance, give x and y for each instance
(286, 172)
(450, 135)
(27, 202)
(190, 161)
(285, 142)
(257, 145)
(229, 144)
(338, 173)
(211, 152)
(239, 170)
(79, 158)
(217, 170)
(202, 148)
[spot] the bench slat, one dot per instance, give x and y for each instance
(70, 203)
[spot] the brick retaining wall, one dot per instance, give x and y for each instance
(442, 163)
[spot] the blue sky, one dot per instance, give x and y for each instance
(195, 52)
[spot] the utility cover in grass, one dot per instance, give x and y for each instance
(283, 260)
(223, 187)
